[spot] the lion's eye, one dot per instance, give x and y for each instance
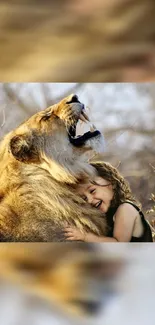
(46, 117)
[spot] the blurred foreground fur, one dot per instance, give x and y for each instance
(77, 40)
(40, 166)
(75, 278)
(39, 284)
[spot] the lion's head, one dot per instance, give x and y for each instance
(49, 139)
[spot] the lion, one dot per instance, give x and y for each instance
(41, 162)
(97, 41)
(74, 278)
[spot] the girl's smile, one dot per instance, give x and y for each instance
(99, 193)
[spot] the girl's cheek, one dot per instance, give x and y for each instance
(94, 196)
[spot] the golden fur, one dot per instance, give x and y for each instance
(79, 40)
(67, 276)
(39, 169)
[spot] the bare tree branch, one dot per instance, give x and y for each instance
(4, 119)
(122, 129)
(13, 97)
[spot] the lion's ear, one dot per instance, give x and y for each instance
(23, 149)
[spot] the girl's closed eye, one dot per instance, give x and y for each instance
(92, 191)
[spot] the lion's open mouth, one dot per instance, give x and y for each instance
(80, 140)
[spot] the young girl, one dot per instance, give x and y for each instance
(110, 193)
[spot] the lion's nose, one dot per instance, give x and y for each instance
(73, 99)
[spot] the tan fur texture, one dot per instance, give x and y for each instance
(39, 170)
(78, 40)
(70, 277)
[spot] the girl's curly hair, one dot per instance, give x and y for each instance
(122, 191)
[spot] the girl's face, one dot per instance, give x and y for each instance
(99, 195)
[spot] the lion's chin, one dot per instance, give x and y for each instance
(79, 141)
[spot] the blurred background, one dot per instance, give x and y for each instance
(133, 302)
(124, 112)
(77, 40)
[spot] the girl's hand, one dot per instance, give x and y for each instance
(72, 233)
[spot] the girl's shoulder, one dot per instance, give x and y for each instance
(127, 209)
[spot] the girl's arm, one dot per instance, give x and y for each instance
(72, 233)
(89, 237)
(123, 229)
(124, 222)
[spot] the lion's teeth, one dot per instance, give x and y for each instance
(86, 116)
(82, 118)
(92, 128)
